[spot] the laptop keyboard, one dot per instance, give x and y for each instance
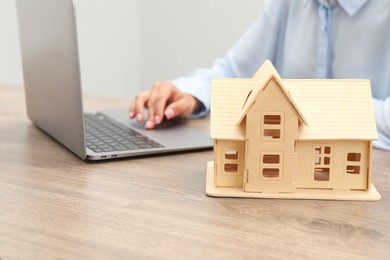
(104, 135)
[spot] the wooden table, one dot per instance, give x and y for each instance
(55, 206)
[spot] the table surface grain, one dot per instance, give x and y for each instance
(55, 206)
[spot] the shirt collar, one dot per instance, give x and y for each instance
(351, 7)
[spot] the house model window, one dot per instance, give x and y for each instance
(322, 159)
(271, 165)
(272, 126)
(353, 163)
(231, 159)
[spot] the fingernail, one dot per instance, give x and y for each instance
(169, 113)
(157, 120)
(139, 117)
(149, 125)
(131, 114)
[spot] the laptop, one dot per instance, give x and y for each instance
(49, 47)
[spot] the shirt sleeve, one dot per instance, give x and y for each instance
(382, 117)
(257, 44)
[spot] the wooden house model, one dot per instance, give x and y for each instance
(274, 138)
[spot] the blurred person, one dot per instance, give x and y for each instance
(316, 39)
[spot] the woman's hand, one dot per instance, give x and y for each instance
(164, 99)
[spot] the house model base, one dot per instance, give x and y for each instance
(308, 194)
(291, 139)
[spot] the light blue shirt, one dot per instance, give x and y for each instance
(312, 39)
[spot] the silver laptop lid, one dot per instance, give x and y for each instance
(51, 70)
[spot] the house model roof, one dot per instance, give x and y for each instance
(266, 73)
(335, 109)
(328, 109)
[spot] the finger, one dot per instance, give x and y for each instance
(166, 95)
(139, 105)
(184, 106)
(132, 110)
(154, 93)
(158, 100)
(170, 112)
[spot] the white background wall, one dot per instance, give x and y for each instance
(126, 45)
